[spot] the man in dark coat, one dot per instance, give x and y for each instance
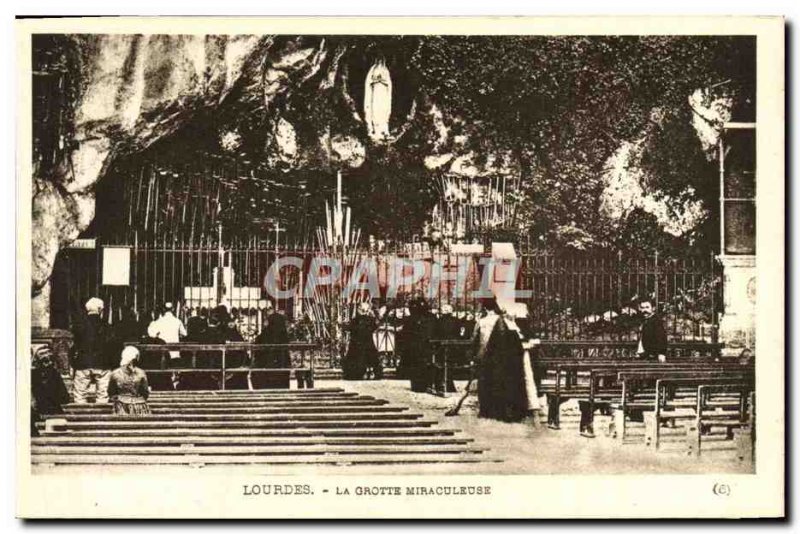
(468, 325)
(196, 327)
(92, 360)
(402, 322)
(128, 328)
(448, 328)
(361, 352)
(215, 333)
(275, 331)
(417, 351)
(652, 337)
(48, 392)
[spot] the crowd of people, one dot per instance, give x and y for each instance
(506, 388)
(99, 362)
(216, 325)
(493, 344)
(103, 360)
(105, 367)
(411, 326)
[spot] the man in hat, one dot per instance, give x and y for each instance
(90, 358)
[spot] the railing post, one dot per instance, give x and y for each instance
(222, 386)
(714, 289)
(311, 364)
(655, 271)
(445, 354)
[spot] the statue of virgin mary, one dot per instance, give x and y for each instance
(378, 101)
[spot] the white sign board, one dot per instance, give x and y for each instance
(86, 243)
(116, 266)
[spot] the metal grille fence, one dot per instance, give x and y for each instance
(579, 296)
(573, 296)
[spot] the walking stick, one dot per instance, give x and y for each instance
(457, 407)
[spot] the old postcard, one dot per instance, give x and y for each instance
(400, 268)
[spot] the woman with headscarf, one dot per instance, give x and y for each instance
(127, 387)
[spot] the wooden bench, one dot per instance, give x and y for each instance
(221, 376)
(601, 385)
(720, 404)
(572, 357)
(641, 394)
(594, 390)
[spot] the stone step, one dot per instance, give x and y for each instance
(252, 395)
(200, 461)
(255, 450)
(264, 392)
(244, 398)
(348, 422)
(181, 412)
(227, 440)
(248, 397)
(266, 427)
(91, 408)
(280, 416)
(245, 433)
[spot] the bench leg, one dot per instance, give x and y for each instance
(611, 429)
(553, 412)
(586, 426)
(616, 429)
(651, 430)
(743, 437)
(693, 436)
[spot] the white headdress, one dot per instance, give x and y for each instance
(129, 354)
(94, 305)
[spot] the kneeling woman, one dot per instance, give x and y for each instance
(128, 388)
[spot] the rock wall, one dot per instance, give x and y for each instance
(134, 90)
